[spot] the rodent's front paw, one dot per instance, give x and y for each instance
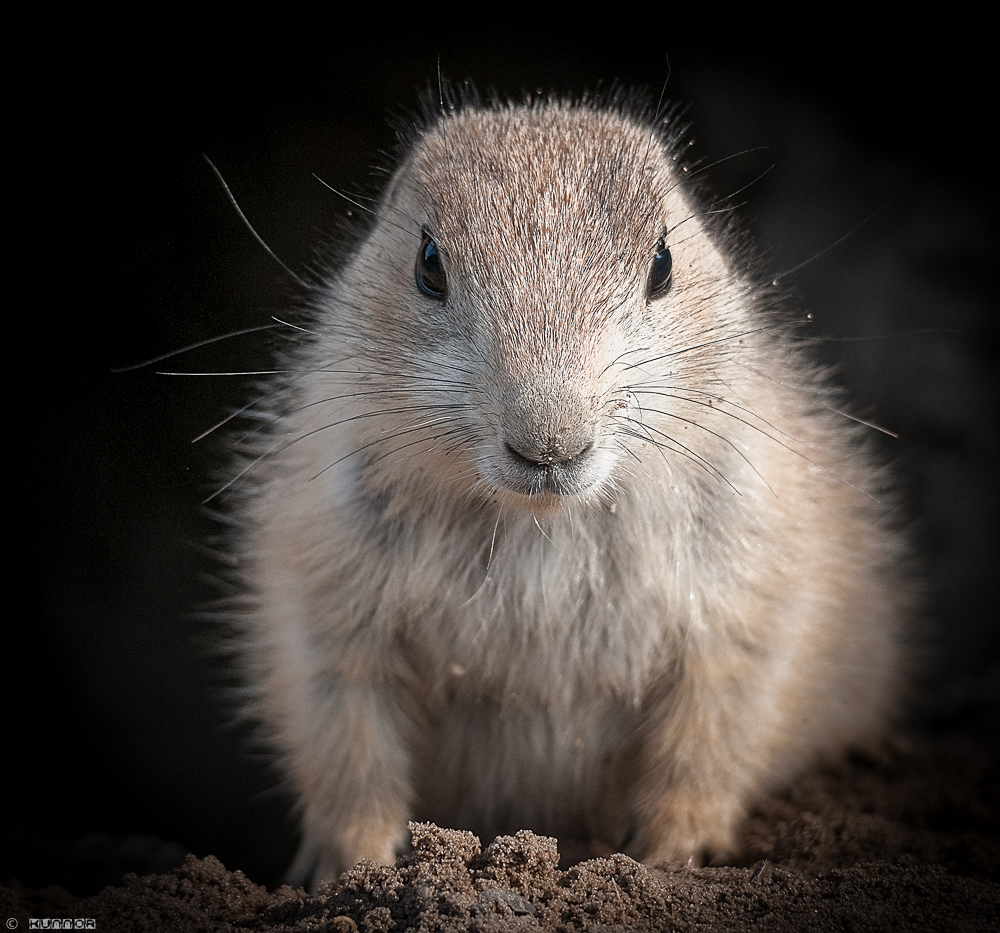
(326, 859)
(692, 832)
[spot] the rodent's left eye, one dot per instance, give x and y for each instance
(660, 272)
(429, 271)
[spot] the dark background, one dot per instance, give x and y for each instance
(115, 731)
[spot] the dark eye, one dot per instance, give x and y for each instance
(431, 279)
(658, 283)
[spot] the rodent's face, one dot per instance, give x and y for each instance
(542, 255)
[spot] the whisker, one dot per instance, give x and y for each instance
(249, 225)
(838, 241)
(379, 440)
(662, 393)
(208, 341)
(367, 210)
(700, 346)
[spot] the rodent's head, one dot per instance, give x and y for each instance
(534, 265)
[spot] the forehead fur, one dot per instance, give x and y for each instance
(558, 189)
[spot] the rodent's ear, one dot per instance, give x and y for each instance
(429, 271)
(660, 272)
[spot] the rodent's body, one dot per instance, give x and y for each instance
(547, 536)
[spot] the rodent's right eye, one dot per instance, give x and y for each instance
(431, 279)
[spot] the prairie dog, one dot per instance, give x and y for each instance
(554, 525)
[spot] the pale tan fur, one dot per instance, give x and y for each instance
(679, 593)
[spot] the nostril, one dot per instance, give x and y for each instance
(517, 455)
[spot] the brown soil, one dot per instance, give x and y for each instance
(911, 842)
